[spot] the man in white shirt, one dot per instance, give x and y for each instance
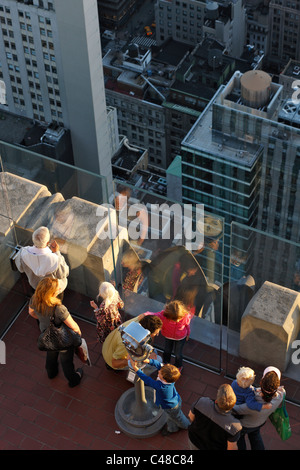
(42, 260)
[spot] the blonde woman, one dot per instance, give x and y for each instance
(43, 305)
(107, 314)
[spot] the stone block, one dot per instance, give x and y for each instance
(79, 226)
(17, 195)
(270, 323)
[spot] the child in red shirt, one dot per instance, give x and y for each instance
(176, 330)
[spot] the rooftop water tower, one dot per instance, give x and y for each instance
(255, 88)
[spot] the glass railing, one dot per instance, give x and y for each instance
(39, 191)
(153, 249)
(172, 251)
(262, 306)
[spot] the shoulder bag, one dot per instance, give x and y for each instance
(58, 338)
(280, 420)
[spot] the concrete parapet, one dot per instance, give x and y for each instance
(75, 223)
(18, 196)
(270, 323)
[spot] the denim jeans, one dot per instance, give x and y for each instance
(178, 347)
(254, 437)
(66, 359)
(176, 419)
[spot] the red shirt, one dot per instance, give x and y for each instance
(172, 329)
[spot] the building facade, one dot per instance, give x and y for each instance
(242, 161)
(115, 13)
(258, 25)
(284, 21)
(51, 66)
(190, 21)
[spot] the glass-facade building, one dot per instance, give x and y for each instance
(241, 162)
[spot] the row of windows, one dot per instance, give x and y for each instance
(32, 51)
(183, 5)
(9, 33)
(138, 109)
(43, 32)
(180, 12)
(42, 4)
(4, 20)
(38, 107)
(6, 9)
(26, 15)
(28, 27)
(44, 20)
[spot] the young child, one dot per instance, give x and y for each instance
(244, 390)
(176, 330)
(107, 314)
(166, 395)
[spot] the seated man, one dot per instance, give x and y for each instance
(42, 259)
(114, 352)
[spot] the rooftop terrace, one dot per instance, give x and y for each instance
(42, 414)
(37, 413)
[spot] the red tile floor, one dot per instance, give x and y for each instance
(41, 414)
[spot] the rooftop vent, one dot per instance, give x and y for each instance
(212, 10)
(133, 50)
(215, 58)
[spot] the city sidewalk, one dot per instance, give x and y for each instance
(41, 414)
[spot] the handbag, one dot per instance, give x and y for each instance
(83, 353)
(281, 421)
(58, 338)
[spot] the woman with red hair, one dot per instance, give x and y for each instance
(43, 305)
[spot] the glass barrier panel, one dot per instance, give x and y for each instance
(262, 299)
(155, 250)
(38, 191)
(170, 251)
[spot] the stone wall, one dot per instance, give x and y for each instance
(74, 223)
(270, 324)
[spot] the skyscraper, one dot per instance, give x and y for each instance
(52, 68)
(284, 20)
(242, 161)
